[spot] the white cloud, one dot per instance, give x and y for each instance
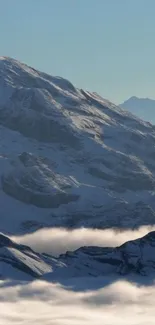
(41, 303)
(59, 240)
(110, 302)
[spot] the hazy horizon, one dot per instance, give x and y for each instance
(103, 46)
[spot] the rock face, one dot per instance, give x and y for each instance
(69, 157)
(133, 257)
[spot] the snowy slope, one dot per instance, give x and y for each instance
(22, 263)
(68, 157)
(21, 258)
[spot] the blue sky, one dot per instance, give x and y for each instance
(106, 46)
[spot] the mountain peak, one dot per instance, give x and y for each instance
(18, 74)
(9, 60)
(135, 98)
(4, 240)
(142, 107)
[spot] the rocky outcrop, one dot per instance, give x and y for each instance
(34, 182)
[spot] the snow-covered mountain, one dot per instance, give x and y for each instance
(142, 107)
(133, 257)
(70, 158)
(16, 259)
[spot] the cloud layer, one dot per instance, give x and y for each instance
(41, 303)
(108, 301)
(59, 240)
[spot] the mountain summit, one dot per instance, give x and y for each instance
(142, 107)
(70, 158)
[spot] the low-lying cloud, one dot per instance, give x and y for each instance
(42, 303)
(108, 301)
(56, 241)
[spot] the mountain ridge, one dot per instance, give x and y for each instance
(69, 157)
(133, 257)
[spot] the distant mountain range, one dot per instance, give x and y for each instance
(142, 107)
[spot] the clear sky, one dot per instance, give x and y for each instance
(106, 46)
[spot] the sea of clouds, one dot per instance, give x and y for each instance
(41, 303)
(95, 301)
